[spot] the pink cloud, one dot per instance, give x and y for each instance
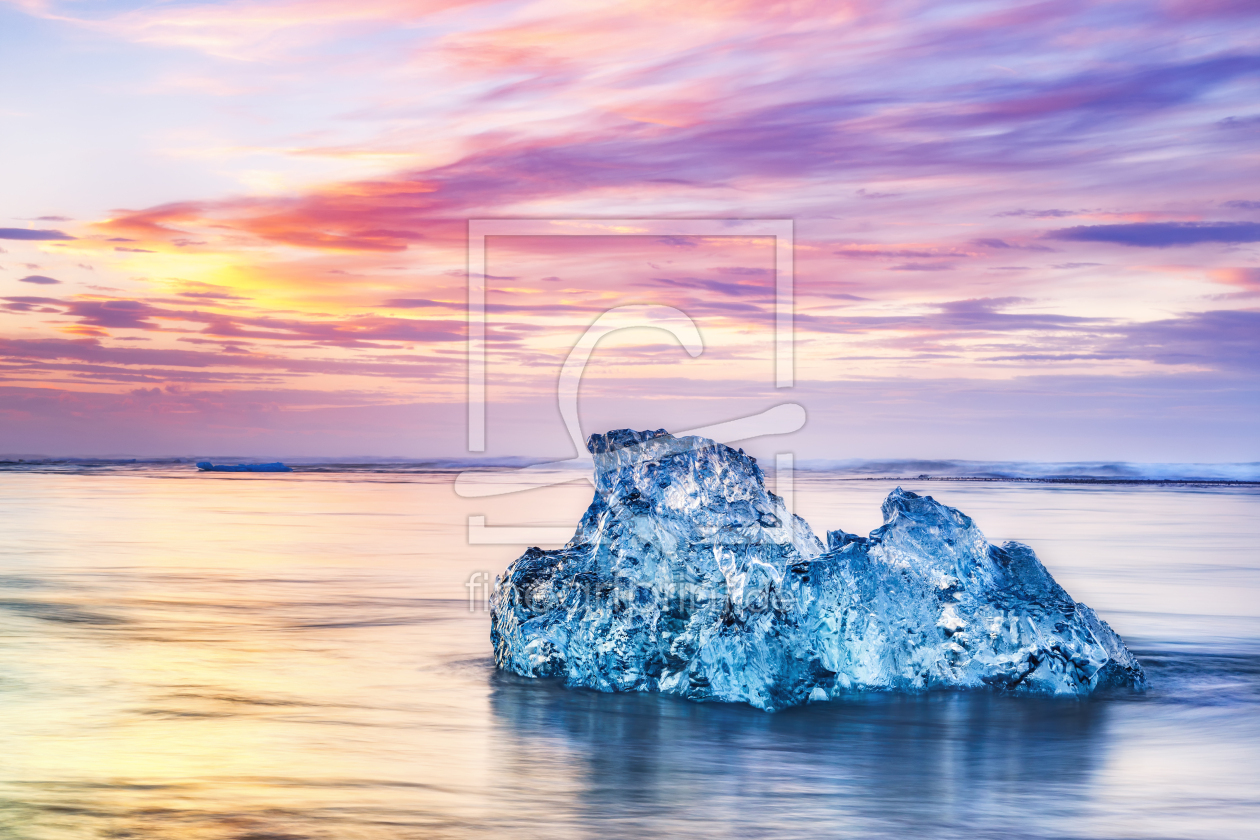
(980, 132)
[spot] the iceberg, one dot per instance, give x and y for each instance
(687, 577)
(206, 466)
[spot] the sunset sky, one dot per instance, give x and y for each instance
(1022, 230)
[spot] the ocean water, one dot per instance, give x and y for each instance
(274, 657)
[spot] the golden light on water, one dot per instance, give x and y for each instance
(231, 657)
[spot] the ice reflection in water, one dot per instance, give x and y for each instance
(257, 661)
(879, 765)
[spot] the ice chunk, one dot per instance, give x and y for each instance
(206, 466)
(686, 576)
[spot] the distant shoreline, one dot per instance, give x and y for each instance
(1183, 482)
(68, 465)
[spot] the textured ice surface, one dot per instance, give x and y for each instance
(687, 577)
(206, 466)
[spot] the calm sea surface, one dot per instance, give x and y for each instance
(280, 657)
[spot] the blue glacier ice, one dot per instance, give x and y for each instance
(687, 577)
(206, 466)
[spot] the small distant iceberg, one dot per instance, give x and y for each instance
(687, 577)
(206, 466)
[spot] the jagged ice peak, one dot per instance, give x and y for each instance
(687, 577)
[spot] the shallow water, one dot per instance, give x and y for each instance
(250, 657)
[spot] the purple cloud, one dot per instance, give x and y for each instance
(27, 303)
(167, 364)
(39, 280)
(1162, 234)
(1220, 339)
(24, 233)
(118, 314)
(1224, 340)
(958, 317)
(922, 267)
(1037, 214)
(212, 296)
(1003, 244)
(761, 291)
(896, 253)
(346, 332)
(422, 303)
